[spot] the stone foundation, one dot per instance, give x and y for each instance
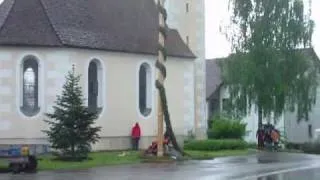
(41, 145)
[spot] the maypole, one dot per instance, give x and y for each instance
(163, 112)
(161, 72)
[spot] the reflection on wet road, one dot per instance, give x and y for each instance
(310, 174)
(287, 167)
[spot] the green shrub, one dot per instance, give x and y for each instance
(295, 146)
(216, 145)
(311, 148)
(252, 145)
(210, 134)
(226, 128)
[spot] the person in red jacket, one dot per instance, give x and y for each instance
(135, 135)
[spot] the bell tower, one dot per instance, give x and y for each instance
(188, 17)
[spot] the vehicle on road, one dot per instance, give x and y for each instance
(19, 158)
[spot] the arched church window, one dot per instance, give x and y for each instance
(30, 84)
(145, 89)
(95, 86)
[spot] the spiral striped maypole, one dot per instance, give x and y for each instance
(163, 112)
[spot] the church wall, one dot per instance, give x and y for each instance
(120, 94)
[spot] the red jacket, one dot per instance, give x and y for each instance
(136, 132)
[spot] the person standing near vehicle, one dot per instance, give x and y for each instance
(135, 136)
(275, 135)
(260, 137)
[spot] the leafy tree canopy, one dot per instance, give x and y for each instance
(272, 65)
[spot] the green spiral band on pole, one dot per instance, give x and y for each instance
(159, 85)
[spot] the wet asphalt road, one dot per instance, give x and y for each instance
(283, 167)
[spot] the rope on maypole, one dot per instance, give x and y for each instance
(162, 57)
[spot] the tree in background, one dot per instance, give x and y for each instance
(269, 67)
(71, 124)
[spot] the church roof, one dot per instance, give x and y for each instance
(114, 25)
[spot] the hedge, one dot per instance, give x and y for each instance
(216, 145)
(296, 146)
(226, 128)
(311, 148)
(252, 145)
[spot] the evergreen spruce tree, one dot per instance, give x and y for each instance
(71, 124)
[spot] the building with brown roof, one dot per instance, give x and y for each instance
(113, 45)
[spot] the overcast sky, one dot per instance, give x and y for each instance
(217, 13)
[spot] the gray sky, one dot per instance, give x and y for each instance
(217, 13)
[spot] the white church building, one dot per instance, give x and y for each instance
(113, 45)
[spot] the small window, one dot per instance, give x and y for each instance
(226, 105)
(30, 95)
(94, 86)
(145, 89)
(310, 130)
(187, 7)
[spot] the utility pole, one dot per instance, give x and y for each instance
(161, 60)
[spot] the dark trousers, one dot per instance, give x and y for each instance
(260, 143)
(135, 143)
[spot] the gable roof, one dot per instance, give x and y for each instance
(213, 76)
(113, 25)
(213, 71)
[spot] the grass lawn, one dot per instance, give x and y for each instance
(202, 155)
(3, 165)
(126, 157)
(98, 159)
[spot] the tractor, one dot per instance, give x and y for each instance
(19, 158)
